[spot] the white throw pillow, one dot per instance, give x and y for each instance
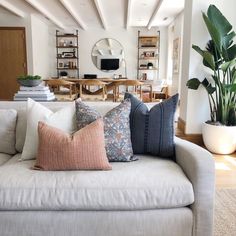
(63, 119)
(8, 131)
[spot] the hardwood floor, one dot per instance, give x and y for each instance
(225, 166)
(225, 170)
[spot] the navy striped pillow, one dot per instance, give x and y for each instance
(152, 131)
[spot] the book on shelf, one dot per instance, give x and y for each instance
(34, 92)
(38, 99)
(49, 98)
(34, 95)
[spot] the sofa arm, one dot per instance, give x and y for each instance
(198, 165)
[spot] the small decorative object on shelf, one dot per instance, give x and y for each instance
(142, 66)
(67, 53)
(63, 74)
(150, 65)
(29, 80)
(144, 76)
(148, 56)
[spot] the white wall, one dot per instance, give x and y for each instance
(194, 107)
(9, 20)
(175, 30)
(127, 38)
(40, 47)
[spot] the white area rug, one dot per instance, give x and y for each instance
(225, 212)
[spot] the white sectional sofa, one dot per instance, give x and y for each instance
(149, 197)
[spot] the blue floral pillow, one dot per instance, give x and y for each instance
(116, 129)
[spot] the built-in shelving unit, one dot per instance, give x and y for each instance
(67, 48)
(148, 56)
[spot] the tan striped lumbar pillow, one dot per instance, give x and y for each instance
(84, 150)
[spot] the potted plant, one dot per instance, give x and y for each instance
(219, 134)
(29, 80)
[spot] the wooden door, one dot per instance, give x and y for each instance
(12, 60)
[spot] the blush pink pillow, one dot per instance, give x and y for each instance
(84, 150)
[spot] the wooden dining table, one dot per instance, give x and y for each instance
(111, 84)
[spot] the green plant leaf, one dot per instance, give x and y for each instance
(193, 83)
(29, 77)
(208, 60)
(228, 40)
(231, 52)
(213, 31)
(198, 49)
(218, 20)
(232, 117)
(225, 66)
(210, 47)
(208, 86)
(233, 87)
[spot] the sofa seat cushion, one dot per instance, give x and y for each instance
(4, 158)
(149, 183)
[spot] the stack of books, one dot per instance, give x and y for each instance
(37, 93)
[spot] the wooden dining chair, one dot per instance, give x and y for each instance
(134, 85)
(92, 89)
(63, 90)
(161, 94)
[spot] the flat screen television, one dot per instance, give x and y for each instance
(110, 64)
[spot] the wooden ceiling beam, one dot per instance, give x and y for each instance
(101, 13)
(150, 23)
(46, 13)
(10, 7)
(74, 14)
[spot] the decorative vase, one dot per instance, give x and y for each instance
(29, 82)
(219, 139)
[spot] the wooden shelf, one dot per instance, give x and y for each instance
(66, 58)
(67, 68)
(145, 37)
(66, 36)
(148, 47)
(67, 47)
(148, 58)
(147, 69)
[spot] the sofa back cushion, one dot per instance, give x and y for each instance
(83, 150)
(21, 108)
(7, 130)
(63, 119)
(152, 131)
(21, 129)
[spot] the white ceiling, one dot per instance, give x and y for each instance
(90, 14)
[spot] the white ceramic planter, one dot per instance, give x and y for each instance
(219, 139)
